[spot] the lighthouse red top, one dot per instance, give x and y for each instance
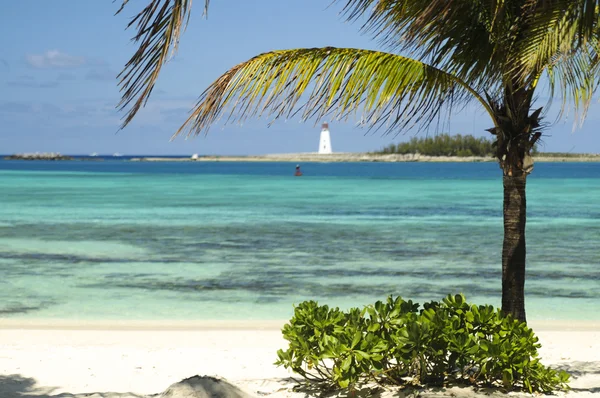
(325, 126)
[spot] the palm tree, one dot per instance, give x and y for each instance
(493, 53)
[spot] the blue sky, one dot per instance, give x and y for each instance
(58, 90)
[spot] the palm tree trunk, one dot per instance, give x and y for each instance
(513, 250)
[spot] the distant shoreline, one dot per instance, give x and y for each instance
(349, 157)
(355, 157)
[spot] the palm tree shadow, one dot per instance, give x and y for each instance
(312, 390)
(581, 371)
(579, 368)
(576, 369)
(367, 391)
(20, 386)
(317, 390)
(17, 386)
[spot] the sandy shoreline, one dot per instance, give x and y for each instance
(227, 325)
(166, 325)
(139, 359)
(354, 157)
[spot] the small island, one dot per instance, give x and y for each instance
(38, 156)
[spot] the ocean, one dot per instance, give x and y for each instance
(120, 240)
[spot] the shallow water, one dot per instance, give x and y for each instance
(188, 241)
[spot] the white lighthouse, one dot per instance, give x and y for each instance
(325, 140)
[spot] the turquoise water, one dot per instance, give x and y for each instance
(190, 241)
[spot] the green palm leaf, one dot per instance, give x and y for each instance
(467, 38)
(389, 91)
(159, 26)
(575, 75)
(487, 43)
(556, 41)
(549, 30)
(581, 14)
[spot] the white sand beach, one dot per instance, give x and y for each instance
(50, 359)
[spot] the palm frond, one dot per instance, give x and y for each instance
(158, 28)
(582, 14)
(556, 40)
(468, 38)
(551, 29)
(390, 91)
(576, 77)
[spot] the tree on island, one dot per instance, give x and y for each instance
(490, 52)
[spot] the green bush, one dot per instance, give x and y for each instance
(396, 342)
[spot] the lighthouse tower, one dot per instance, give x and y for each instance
(325, 140)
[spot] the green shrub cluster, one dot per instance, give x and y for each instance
(445, 145)
(395, 342)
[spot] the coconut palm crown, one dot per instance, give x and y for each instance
(493, 53)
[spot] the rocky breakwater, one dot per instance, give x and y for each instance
(38, 156)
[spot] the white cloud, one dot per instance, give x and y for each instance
(55, 59)
(101, 74)
(164, 114)
(65, 77)
(15, 107)
(64, 115)
(31, 82)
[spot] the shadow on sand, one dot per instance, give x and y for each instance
(17, 386)
(580, 373)
(578, 369)
(585, 378)
(407, 392)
